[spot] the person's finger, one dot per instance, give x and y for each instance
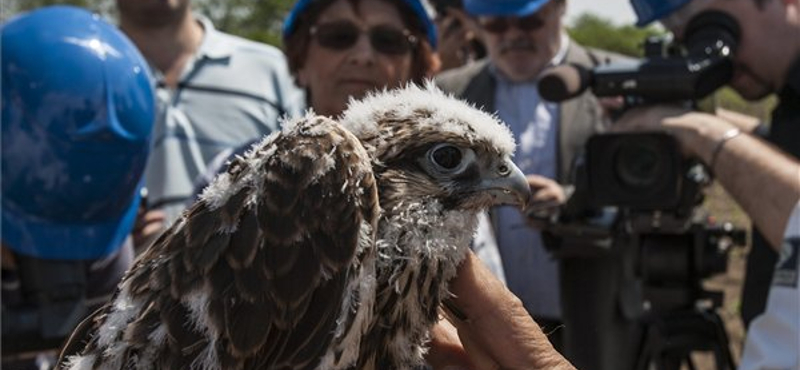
(152, 228)
(547, 195)
(147, 228)
(478, 358)
(545, 189)
(446, 351)
(647, 118)
(154, 216)
(742, 121)
(537, 182)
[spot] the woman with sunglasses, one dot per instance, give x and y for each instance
(341, 49)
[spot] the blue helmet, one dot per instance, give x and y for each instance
(77, 111)
(517, 8)
(416, 6)
(652, 10)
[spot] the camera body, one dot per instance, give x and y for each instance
(646, 170)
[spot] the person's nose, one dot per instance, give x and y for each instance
(362, 53)
(514, 31)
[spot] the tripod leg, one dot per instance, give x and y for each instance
(723, 355)
(690, 363)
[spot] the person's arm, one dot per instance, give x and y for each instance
(762, 179)
(494, 327)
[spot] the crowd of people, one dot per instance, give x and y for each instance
(109, 133)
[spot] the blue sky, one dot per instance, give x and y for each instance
(617, 11)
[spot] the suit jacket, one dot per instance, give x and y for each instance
(580, 117)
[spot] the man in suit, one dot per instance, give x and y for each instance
(523, 38)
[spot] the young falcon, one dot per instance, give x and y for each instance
(329, 245)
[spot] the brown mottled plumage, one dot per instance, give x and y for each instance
(328, 246)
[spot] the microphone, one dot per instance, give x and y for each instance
(660, 79)
(564, 82)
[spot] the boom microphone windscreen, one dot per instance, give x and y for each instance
(564, 82)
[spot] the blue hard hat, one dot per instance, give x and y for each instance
(507, 8)
(652, 10)
(78, 108)
(415, 5)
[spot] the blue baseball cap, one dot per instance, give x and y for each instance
(516, 8)
(416, 5)
(651, 10)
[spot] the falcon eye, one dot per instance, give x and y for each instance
(446, 156)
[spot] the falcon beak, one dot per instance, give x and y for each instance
(507, 184)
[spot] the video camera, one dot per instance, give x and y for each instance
(637, 188)
(646, 170)
(634, 246)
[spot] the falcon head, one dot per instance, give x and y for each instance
(426, 145)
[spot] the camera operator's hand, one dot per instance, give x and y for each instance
(696, 132)
(742, 121)
(548, 196)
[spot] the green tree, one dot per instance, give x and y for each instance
(13, 7)
(259, 20)
(598, 32)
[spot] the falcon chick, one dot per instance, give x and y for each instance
(329, 245)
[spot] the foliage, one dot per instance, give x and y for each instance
(12, 7)
(594, 31)
(259, 20)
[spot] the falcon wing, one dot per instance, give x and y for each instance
(256, 273)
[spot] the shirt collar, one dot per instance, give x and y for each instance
(214, 46)
(558, 59)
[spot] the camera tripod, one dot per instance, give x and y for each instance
(672, 337)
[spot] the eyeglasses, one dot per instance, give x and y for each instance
(384, 39)
(502, 24)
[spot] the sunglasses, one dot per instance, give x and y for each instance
(502, 24)
(384, 39)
